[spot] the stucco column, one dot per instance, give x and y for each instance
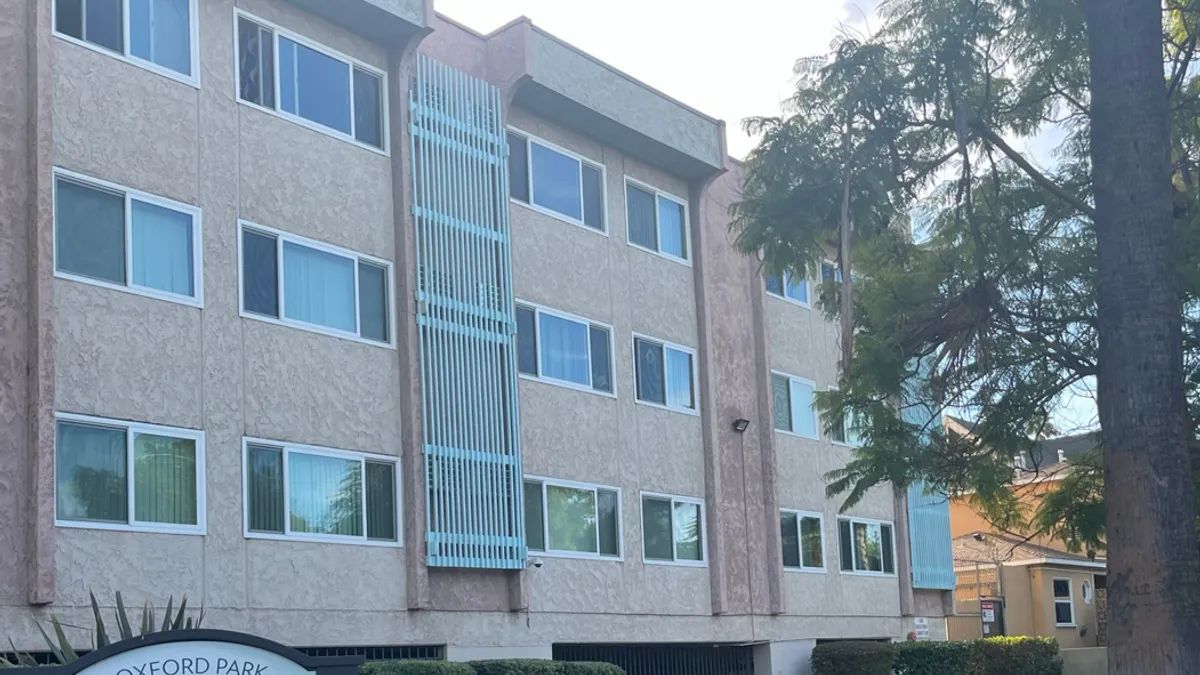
(903, 551)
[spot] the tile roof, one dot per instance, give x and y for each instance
(985, 547)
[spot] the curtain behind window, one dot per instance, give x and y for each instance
(679, 379)
(160, 32)
(162, 249)
(325, 494)
(91, 473)
(672, 228)
(639, 216)
(318, 287)
(564, 349)
(164, 480)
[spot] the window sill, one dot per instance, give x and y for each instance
(322, 539)
(684, 411)
(698, 564)
(320, 330)
(149, 528)
(1066, 625)
(844, 444)
(313, 126)
(806, 570)
(566, 385)
(665, 256)
(192, 81)
(557, 216)
(790, 301)
(197, 302)
(794, 434)
(567, 555)
(877, 575)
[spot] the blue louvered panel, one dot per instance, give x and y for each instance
(466, 321)
(928, 513)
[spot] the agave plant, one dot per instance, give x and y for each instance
(64, 653)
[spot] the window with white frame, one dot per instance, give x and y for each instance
(555, 180)
(656, 221)
(563, 348)
(847, 431)
(111, 474)
(789, 287)
(830, 272)
(290, 74)
(803, 540)
(664, 373)
(572, 519)
(155, 33)
(792, 399)
(672, 529)
(866, 546)
(305, 492)
(309, 284)
(1064, 603)
(113, 236)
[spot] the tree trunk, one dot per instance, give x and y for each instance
(1153, 563)
(845, 263)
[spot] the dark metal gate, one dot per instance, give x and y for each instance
(665, 659)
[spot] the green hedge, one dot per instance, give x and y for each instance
(497, 667)
(1017, 656)
(991, 656)
(853, 658)
(934, 658)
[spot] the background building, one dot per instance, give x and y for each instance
(334, 316)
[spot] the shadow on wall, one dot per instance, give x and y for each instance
(1085, 661)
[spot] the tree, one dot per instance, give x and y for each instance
(923, 120)
(1154, 566)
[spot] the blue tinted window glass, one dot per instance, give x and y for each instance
(314, 86)
(556, 181)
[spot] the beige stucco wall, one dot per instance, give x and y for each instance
(125, 356)
(1018, 600)
(1042, 602)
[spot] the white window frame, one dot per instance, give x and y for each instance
(675, 499)
(531, 138)
(128, 57)
(351, 63)
(286, 448)
(130, 195)
(800, 515)
(846, 443)
(785, 277)
(853, 520)
(1070, 599)
(695, 374)
(687, 227)
(793, 379)
(612, 350)
(132, 429)
(837, 271)
(551, 553)
(281, 237)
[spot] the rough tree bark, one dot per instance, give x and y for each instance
(1153, 563)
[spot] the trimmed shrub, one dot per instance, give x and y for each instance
(516, 667)
(1017, 656)
(853, 658)
(415, 667)
(934, 658)
(588, 668)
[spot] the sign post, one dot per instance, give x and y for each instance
(200, 652)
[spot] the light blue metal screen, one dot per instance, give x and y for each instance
(928, 513)
(466, 320)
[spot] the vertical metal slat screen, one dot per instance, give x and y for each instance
(928, 513)
(466, 321)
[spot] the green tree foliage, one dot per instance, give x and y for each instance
(922, 122)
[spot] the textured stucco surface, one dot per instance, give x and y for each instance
(126, 356)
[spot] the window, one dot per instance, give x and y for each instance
(110, 236)
(665, 374)
(572, 519)
(656, 221)
(308, 284)
(792, 398)
(830, 272)
(802, 540)
(310, 82)
(303, 492)
(1064, 603)
(156, 34)
(556, 181)
(672, 529)
(788, 287)
(847, 431)
(866, 546)
(128, 476)
(564, 349)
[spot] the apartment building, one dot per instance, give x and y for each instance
(372, 332)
